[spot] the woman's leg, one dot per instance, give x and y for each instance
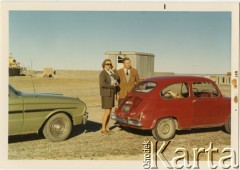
(107, 128)
(105, 119)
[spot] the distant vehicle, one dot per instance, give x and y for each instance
(14, 67)
(53, 114)
(169, 103)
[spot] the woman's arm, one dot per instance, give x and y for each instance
(115, 75)
(103, 83)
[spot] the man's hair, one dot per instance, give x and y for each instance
(125, 59)
(103, 63)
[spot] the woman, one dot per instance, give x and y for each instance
(108, 81)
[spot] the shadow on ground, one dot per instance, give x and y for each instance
(25, 138)
(92, 126)
(202, 130)
(77, 130)
(178, 132)
(134, 131)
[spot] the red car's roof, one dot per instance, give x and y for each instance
(176, 78)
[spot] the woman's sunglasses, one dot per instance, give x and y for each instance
(108, 64)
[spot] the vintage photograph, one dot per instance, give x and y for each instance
(119, 85)
(160, 74)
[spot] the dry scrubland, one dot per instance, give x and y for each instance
(86, 142)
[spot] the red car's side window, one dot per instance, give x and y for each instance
(175, 91)
(204, 90)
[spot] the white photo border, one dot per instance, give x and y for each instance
(6, 7)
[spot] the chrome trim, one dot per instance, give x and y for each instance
(127, 121)
(85, 117)
(128, 102)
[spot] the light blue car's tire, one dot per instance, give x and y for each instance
(58, 128)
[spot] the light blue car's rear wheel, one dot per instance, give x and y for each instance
(58, 128)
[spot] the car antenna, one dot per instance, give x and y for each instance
(30, 69)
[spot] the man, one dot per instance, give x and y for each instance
(128, 79)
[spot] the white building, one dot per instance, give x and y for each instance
(143, 62)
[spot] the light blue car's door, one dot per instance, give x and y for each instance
(15, 114)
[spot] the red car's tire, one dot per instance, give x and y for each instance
(228, 125)
(164, 129)
(58, 128)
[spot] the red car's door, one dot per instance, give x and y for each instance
(177, 103)
(206, 104)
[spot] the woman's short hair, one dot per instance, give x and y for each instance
(103, 63)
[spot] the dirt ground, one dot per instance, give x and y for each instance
(87, 143)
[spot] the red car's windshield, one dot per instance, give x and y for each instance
(144, 86)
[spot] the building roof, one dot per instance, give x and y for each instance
(127, 53)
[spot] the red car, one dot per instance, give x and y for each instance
(169, 103)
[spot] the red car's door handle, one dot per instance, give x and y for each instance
(194, 101)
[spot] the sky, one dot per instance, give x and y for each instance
(182, 42)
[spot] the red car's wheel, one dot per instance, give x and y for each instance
(164, 129)
(58, 128)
